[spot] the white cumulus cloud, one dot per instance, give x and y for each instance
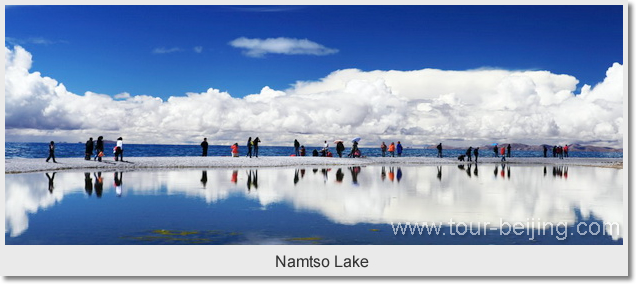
(419, 107)
(255, 47)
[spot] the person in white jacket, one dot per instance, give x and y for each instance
(119, 149)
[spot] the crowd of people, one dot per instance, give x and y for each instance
(96, 148)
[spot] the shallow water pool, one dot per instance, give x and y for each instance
(465, 204)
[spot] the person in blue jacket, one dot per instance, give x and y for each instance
(399, 149)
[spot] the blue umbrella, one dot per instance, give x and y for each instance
(494, 144)
(356, 139)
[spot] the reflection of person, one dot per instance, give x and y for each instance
(118, 182)
(88, 182)
(496, 171)
(391, 174)
(398, 174)
(99, 184)
(383, 174)
(204, 147)
(508, 172)
(51, 152)
(339, 175)
(204, 178)
(296, 179)
(354, 174)
(545, 169)
(476, 173)
(51, 178)
(469, 171)
(439, 173)
(234, 176)
(252, 179)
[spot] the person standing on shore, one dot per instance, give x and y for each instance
(469, 153)
(249, 147)
(204, 147)
(119, 149)
(89, 149)
(392, 149)
(383, 148)
(340, 148)
(235, 150)
(302, 150)
(439, 150)
(99, 148)
(565, 150)
(296, 147)
(496, 150)
(256, 141)
(476, 151)
(503, 154)
(399, 149)
(51, 152)
(545, 151)
(554, 151)
(509, 150)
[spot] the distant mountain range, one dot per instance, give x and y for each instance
(525, 147)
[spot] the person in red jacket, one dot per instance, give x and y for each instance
(503, 154)
(392, 149)
(235, 151)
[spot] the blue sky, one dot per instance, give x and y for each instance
(109, 49)
(466, 75)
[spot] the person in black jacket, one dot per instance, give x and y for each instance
(249, 147)
(439, 150)
(296, 147)
(476, 152)
(89, 149)
(469, 153)
(204, 147)
(99, 148)
(51, 152)
(340, 148)
(256, 141)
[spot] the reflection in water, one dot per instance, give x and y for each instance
(88, 184)
(204, 178)
(99, 184)
(352, 195)
(118, 183)
(51, 178)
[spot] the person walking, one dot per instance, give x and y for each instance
(439, 150)
(249, 147)
(119, 149)
(476, 152)
(99, 148)
(256, 141)
(383, 148)
(235, 150)
(469, 153)
(296, 147)
(51, 152)
(89, 149)
(392, 149)
(503, 154)
(496, 150)
(204, 147)
(340, 148)
(509, 150)
(399, 149)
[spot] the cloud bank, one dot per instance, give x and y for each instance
(291, 46)
(420, 107)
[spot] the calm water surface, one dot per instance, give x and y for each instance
(489, 204)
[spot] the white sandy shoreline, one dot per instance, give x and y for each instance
(22, 165)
